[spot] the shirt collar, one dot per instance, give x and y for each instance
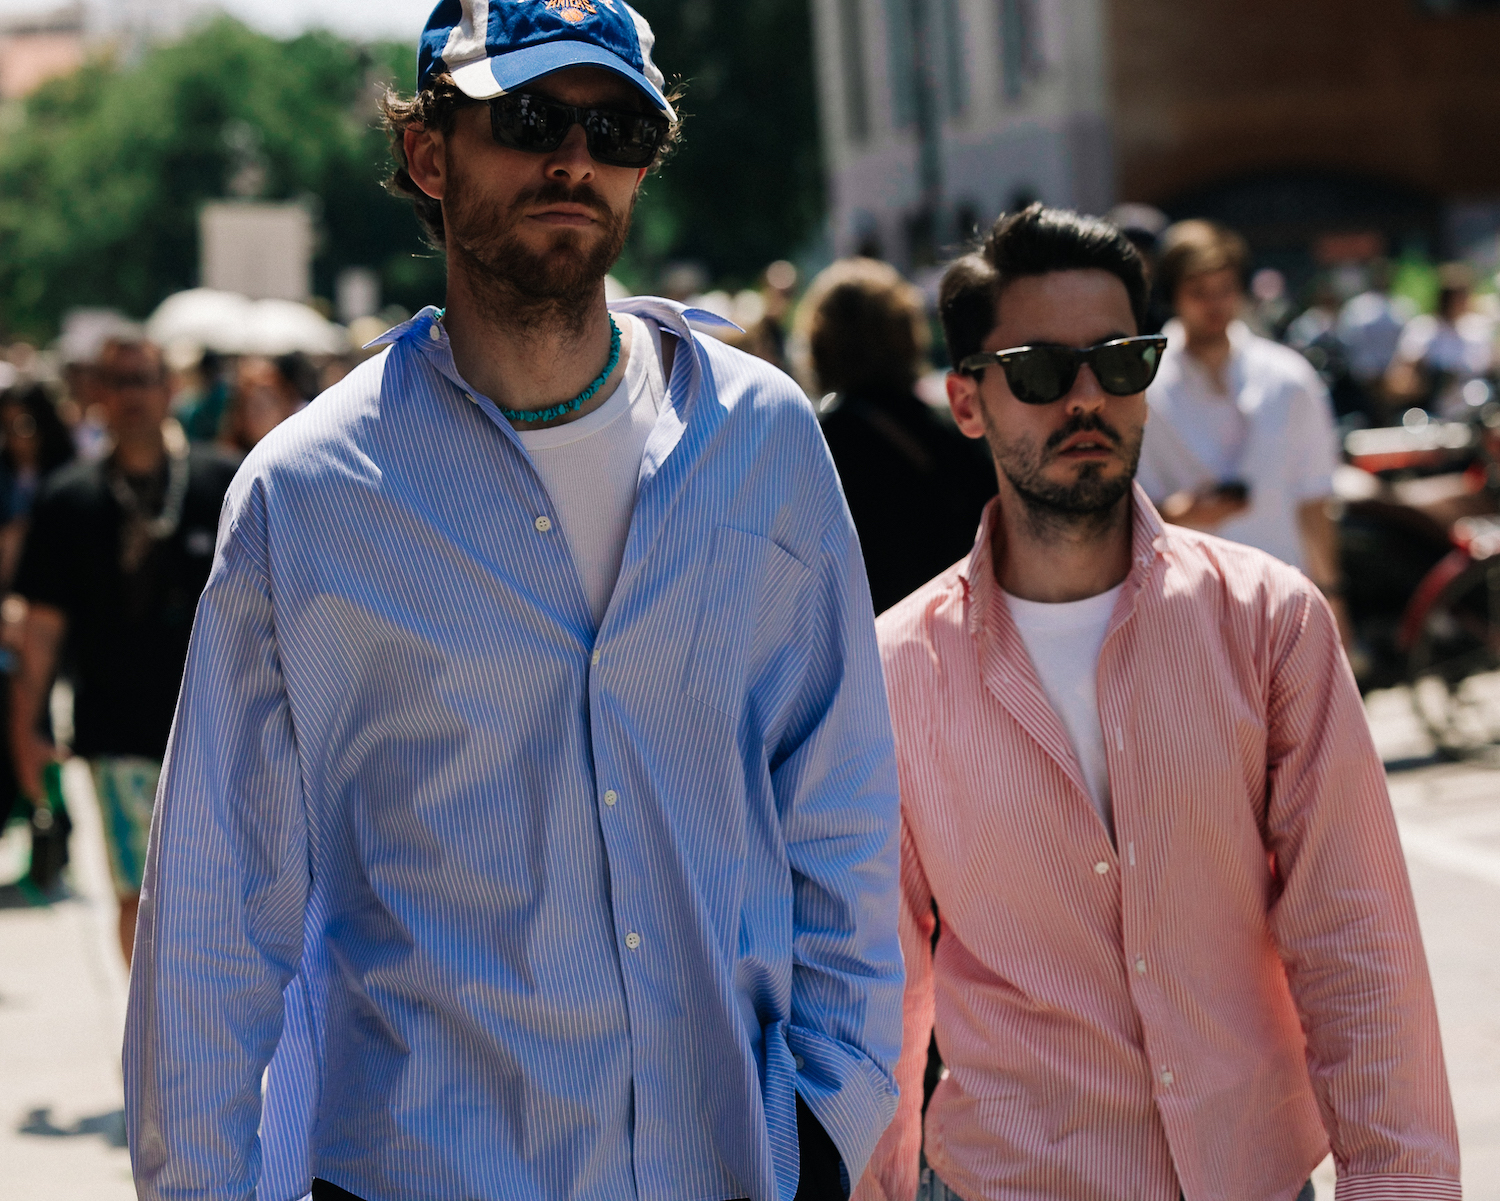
(1147, 542)
(427, 325)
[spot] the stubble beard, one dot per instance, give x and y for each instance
(1085, 509)
(525, 289)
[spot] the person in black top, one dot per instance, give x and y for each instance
(116, 557)
(915, 486)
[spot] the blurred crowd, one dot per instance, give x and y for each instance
(115, 453)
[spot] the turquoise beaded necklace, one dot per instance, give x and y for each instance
(552, 412)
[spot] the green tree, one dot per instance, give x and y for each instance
(102, 173)
(746, 186)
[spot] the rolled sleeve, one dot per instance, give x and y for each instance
(221, 917)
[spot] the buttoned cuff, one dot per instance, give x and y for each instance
(1397, 1188)
(852, 1100)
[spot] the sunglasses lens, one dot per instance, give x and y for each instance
(1039, 375)
(624, 139)
(526, 123)
(1125, 368)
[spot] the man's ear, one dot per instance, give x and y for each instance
(426, 159)
(964, 400)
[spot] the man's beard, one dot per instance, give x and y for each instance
(521, 287)
(1083, 508)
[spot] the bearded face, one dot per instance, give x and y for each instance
(1094, 489)
(549, 273)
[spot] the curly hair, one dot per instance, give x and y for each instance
(436, 106)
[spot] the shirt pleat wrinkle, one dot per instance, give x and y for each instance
(516, 908)
(1123, 1019)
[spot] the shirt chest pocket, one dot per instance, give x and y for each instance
(751, 593)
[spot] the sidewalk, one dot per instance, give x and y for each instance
(62, 984)
(62, 1011)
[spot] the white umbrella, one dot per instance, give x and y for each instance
(229, 323)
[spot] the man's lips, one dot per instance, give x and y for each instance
(1086, 445)
(565, 214)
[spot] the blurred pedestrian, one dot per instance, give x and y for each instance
(266, 392)
(915, 486)
(1241, 441)
(530, 821)
(1176, 951)
(1440, 353)
(1143, 226)
(205, 396)
(33, 443)
(1314, 335)
(114, 561)
(1369, 327)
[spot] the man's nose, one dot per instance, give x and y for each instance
(1086, 394)
(571, 160)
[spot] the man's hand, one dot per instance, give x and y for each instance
(1205, 508)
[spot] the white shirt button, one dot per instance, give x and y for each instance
(594, 658)
(611, 796)
(1101, 867)
(1140, 964)
(434, 332)
(1166, 1077)
(632, 940)
(543, 524)
(799, 1062)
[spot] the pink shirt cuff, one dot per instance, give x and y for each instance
(1397, 1188)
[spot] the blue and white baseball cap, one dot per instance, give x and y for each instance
(491, 47)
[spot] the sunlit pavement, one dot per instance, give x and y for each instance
(62, 987)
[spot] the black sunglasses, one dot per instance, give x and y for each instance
(523, 121)
(1038, 375)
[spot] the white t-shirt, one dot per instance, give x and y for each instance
(1064, 641)
(1273, 429)
(590, 467)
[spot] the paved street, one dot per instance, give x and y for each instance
(62, 989)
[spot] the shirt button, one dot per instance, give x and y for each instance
(1140, 964)
(1101, 867)
(799, 1062)
(632, 940)
(611, 796)
(1166, 1077)
(543, 524)
(473, 400)
(434, 332)
(594, 658)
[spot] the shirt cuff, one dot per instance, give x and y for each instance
(1397, 1188)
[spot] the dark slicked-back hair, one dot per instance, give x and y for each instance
(1036, 241)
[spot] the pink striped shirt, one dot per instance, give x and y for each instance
(1123, 1020)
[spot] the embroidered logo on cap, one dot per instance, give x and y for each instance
(572, 11)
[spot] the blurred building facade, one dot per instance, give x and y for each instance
(45, 42)
(1296, 122)
(34, 49)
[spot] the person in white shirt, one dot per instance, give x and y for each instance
(1370, 326)
(1241, 440)
(1439, 353)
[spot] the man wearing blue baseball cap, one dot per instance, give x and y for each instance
(530, 811)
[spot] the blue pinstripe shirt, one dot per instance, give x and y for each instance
(514, 907)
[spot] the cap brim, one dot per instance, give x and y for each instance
(487, 77)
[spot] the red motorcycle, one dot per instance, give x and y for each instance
(1420, 544)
